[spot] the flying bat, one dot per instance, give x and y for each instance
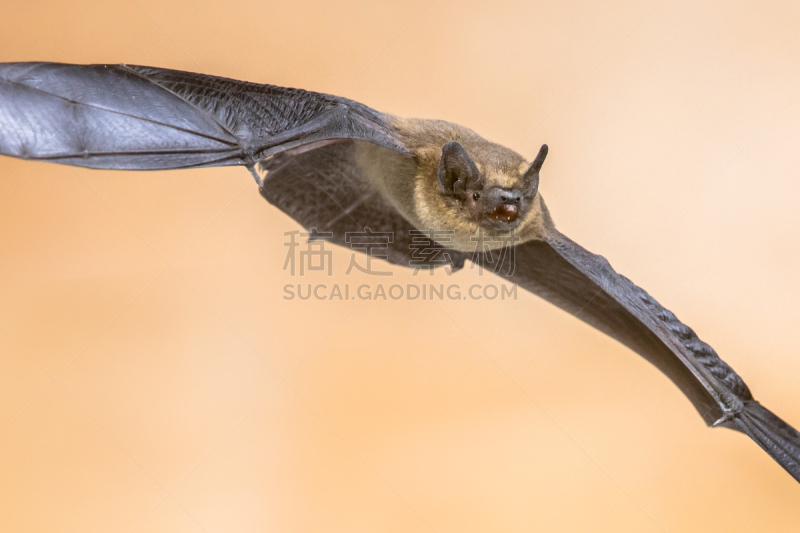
(337, 166)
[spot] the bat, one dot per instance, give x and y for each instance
(337, 166)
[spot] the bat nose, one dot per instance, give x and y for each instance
(510, 197)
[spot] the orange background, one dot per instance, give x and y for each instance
(152, 378)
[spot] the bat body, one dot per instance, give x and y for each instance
(338, 166)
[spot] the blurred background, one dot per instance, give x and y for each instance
(153, 378)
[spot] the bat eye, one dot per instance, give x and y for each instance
(476, 196)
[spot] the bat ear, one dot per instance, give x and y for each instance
(531, 176)
(457, 171)
(536, 166)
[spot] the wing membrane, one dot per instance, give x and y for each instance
(144, 118)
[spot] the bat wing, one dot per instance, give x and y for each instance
(323, 186)
(585, 285)
(303, 148)
(144, 118)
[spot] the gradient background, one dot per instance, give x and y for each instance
(153, 379)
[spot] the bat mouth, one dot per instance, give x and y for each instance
(503, 213)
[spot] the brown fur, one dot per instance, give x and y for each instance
(499, 166)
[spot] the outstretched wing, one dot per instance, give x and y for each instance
(144, 118)
(305, 149)
(585, 285)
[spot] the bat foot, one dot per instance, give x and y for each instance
(456, 262)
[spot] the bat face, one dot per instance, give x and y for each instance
(489, 196)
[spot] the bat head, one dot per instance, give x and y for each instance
(497, 204)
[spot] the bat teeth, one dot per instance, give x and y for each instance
(504, 213)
